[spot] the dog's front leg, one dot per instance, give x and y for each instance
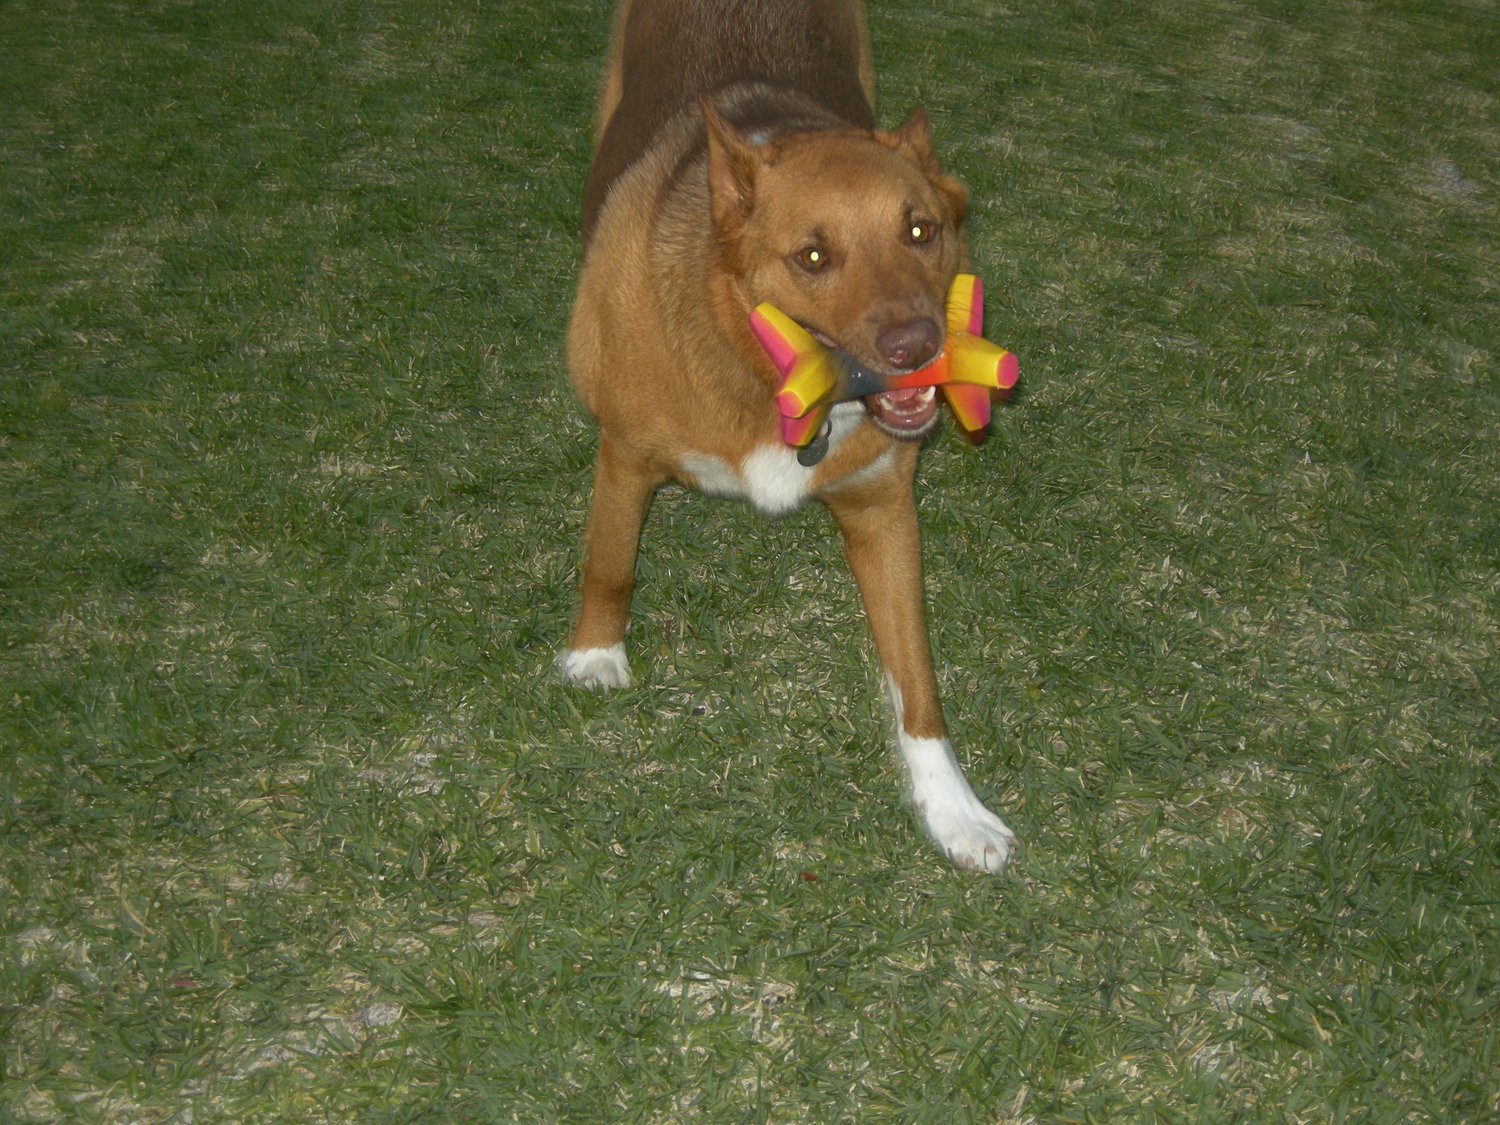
(879, 525)
(622, 492)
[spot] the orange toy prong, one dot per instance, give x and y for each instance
(971, 360)
(935, 374)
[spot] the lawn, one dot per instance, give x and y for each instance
(298, 822)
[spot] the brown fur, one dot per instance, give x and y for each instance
(735, 137)
(664, 56)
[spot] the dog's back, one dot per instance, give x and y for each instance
(667, 53)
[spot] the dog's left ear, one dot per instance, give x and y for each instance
(915, 139)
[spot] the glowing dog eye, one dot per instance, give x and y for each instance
(812, 258)
(920, 232)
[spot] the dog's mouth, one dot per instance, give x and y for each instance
(908, 413)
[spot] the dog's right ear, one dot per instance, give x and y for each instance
(732, 167)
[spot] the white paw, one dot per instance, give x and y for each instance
(975, 839)
(972, 837)
(596, 667)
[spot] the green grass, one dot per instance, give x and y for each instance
(298, 824)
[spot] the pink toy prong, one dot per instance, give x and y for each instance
(778, 336)
(970, 405)
(1010, 372)
(800, 431)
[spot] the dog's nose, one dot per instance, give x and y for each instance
(909, 345)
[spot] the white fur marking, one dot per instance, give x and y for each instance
(774, 480)
(770, 476)
(956, 819)
(712, 475)
(596, 667)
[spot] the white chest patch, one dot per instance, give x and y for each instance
(770, 477)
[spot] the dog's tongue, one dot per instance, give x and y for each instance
(907, 410)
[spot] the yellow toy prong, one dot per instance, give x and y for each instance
(974, 361)
(811, 381)
(966, 305)
(809, 375)
(781, 336)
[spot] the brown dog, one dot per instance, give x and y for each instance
(737, 163)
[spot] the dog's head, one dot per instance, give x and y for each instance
(854, 235)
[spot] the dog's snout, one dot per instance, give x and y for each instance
(909, 345)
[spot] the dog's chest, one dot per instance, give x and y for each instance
(770, 477)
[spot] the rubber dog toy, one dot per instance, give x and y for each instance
(970, 371)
